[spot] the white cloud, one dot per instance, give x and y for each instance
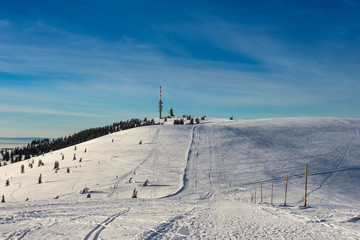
(21, 109)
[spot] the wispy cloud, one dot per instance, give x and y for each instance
(225, 57)
(32, 110)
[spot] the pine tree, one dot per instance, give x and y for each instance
(134, 194)
(7, 183)
(146, 183)
(3, 199)
(56, 165)
(40, 179)
(22, 168)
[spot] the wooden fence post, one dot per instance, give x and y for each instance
(286, 189)
(271, 194)
(306, 169)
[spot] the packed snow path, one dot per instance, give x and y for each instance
(201, 180)
(163, 219)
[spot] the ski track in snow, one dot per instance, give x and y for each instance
(186, 170)
(101, 226)
(339, 163)
(20, 234)
(217, 164)
(126, 175)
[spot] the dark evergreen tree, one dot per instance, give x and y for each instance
(41, 146)
(7, 156)
(7, 183)
(3, 199)
(134, 194)
(22, 168)
(40, 163)
(146, 183)
(40, 179)
(56, 165)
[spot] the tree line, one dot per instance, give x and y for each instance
(42, 146)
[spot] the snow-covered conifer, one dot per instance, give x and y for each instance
(40, 179)
(146, 183)
(134, 194)
(56, 165)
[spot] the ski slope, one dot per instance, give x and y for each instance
(201, 180)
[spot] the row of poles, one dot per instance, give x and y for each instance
(253, 195)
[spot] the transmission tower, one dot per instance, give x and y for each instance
(160, 104)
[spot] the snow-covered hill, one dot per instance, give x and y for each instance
(201, 180)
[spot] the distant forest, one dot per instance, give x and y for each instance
(40, 147)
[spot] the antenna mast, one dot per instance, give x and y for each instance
(160, 104)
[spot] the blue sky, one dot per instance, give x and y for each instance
(70, 65)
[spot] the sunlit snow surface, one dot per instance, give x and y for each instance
(201, 181)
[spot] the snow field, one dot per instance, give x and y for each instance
(201, 180)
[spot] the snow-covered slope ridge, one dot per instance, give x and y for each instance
(195, 172)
